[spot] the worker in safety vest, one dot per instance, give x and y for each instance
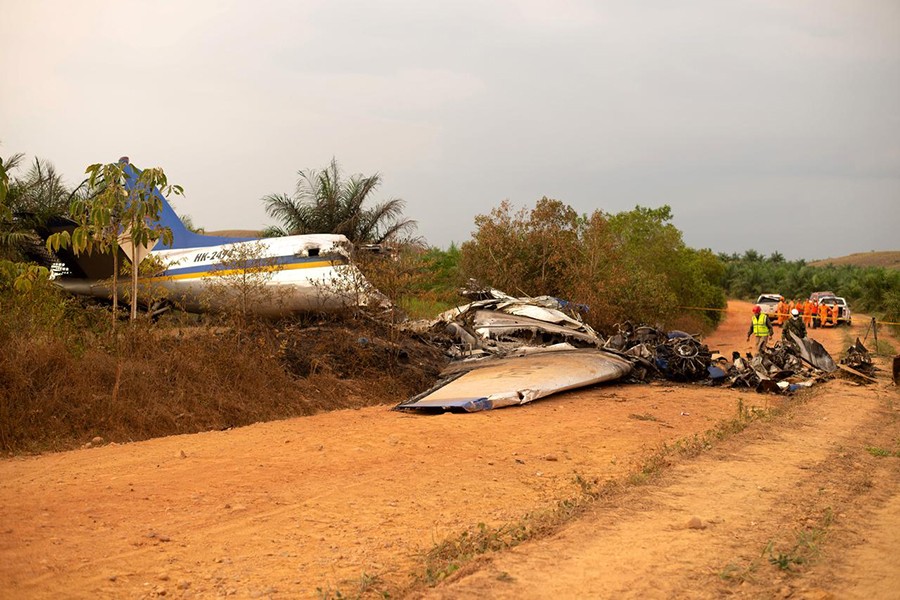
(823, 315)
(761, 328)
(810, 314)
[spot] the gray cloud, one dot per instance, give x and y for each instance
(731, 113)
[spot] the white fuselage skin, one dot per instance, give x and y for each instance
(301, 273)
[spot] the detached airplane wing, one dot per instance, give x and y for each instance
(520, 379)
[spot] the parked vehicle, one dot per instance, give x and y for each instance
(844, 315)
(818, 296)
(768, 303)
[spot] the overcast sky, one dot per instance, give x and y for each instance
(772, 125)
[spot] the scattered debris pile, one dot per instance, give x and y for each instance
(858, 363)
(772, 371)
(510, 351)
(507, 350)
(675, 355)
(858, 358)
(495, 324)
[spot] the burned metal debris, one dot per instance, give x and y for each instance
(510, 351)
(858, 363)
(675, 355)
(507, 350)
(496, 324)
(858, 358)
(774, 370)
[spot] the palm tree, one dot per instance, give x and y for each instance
(323, 202)
(29, 203)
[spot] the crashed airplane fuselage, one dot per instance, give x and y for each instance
(296, 273)
(209, 273)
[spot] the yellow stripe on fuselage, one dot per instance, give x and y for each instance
(268, 268)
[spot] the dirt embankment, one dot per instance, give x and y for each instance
(350, 500)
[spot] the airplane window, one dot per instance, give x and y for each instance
(313, 252)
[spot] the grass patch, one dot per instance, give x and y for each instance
(879, 452)
(737, 573)
(885, 348)
(424, 308)
(804, 549)
(367, 586)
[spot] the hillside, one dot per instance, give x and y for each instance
(889, 259)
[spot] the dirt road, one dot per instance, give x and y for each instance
(350, 500)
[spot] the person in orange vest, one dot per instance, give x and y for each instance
(805, 308)
(823, 315)
(813, 313)
(833, 309)
(779, 312)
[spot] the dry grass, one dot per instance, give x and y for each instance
(64, 382)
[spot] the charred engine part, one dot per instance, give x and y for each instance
(858, 358)
(683, 359)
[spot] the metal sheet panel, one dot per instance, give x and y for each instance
(814, 353)
(521, 379)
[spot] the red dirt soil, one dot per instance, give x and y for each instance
(349, 501)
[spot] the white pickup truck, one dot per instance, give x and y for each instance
(844, 315)
(768, 303)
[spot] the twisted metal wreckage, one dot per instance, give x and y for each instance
(507, 351)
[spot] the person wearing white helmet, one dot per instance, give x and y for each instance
(793, 325)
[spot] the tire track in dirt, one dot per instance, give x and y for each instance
(316, 502)
(797, 489)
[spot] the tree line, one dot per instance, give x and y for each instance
(874, 290)
(630, 265)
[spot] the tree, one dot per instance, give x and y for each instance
(4, 180)
(242, 284)
(27, 203)
(122, 211)
(631, 265)
(325, 202)
(8, 237)
(527, 252)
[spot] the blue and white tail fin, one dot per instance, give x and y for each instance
(182, 237)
